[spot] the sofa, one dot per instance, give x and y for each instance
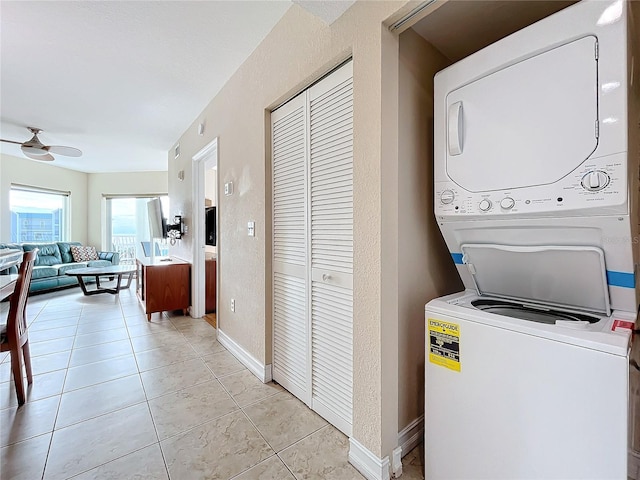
(53, 260)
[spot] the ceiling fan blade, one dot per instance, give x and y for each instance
(10, 141)
(46, 157)
(33, 150)
(66, 151)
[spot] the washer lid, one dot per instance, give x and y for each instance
(562, 276)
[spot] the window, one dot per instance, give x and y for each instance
(38, 215)
(128, 225)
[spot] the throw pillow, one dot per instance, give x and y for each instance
(83, 254)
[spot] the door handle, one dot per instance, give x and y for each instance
(454, 130)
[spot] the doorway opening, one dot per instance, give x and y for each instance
(206, 258)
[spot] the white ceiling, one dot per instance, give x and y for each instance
(122, 80)
(327, 10)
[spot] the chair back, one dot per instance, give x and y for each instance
(17, 321)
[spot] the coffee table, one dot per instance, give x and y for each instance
(97, 272)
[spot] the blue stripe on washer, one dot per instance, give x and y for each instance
(621, 279)
(457, 258)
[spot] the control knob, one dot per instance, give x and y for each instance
(595, 181)
(485, 204)
(447, 197)
(507, 203)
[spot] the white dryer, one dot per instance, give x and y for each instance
(536, 181)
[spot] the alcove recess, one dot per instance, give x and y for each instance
(462, 27)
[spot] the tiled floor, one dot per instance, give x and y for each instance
(117, 397)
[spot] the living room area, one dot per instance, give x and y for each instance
(120, 394)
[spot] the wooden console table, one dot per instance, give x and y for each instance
(163, 285)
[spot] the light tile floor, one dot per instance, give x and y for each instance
(117, 397)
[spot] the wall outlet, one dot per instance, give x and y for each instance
(233, 305)
(251, 229)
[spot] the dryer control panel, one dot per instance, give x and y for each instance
(595, 184)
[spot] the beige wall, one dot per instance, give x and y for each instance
(126, 183)
(388, 218)
(390, 290)
(425, 268)
(43, 175)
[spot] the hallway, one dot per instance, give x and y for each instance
(115, 396)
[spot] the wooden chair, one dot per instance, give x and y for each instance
(14, 336)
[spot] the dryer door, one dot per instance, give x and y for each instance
(528, 124)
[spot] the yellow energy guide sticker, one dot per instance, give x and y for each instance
(444, 344)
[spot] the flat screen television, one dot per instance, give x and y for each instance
(157, 223)
(210, 226)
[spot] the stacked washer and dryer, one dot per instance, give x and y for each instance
(536, 181)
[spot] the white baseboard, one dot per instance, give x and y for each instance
(368, 464)
(260, 370)
(396, 462)
(633, 470)
(412, 435)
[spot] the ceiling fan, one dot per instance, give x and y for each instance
(36, 150)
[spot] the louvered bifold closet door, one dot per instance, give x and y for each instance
(331, 160)
(290, 365)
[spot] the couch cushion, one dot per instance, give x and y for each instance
(48, 283)
(83, 254)
(43, 271)
(63, 267)
(99, 263)
(48, 254)
(111, 257)
(65, 250)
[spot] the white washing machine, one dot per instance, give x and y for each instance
(536, 144)
(524, 392)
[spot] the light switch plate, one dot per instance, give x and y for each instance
(228, 188)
